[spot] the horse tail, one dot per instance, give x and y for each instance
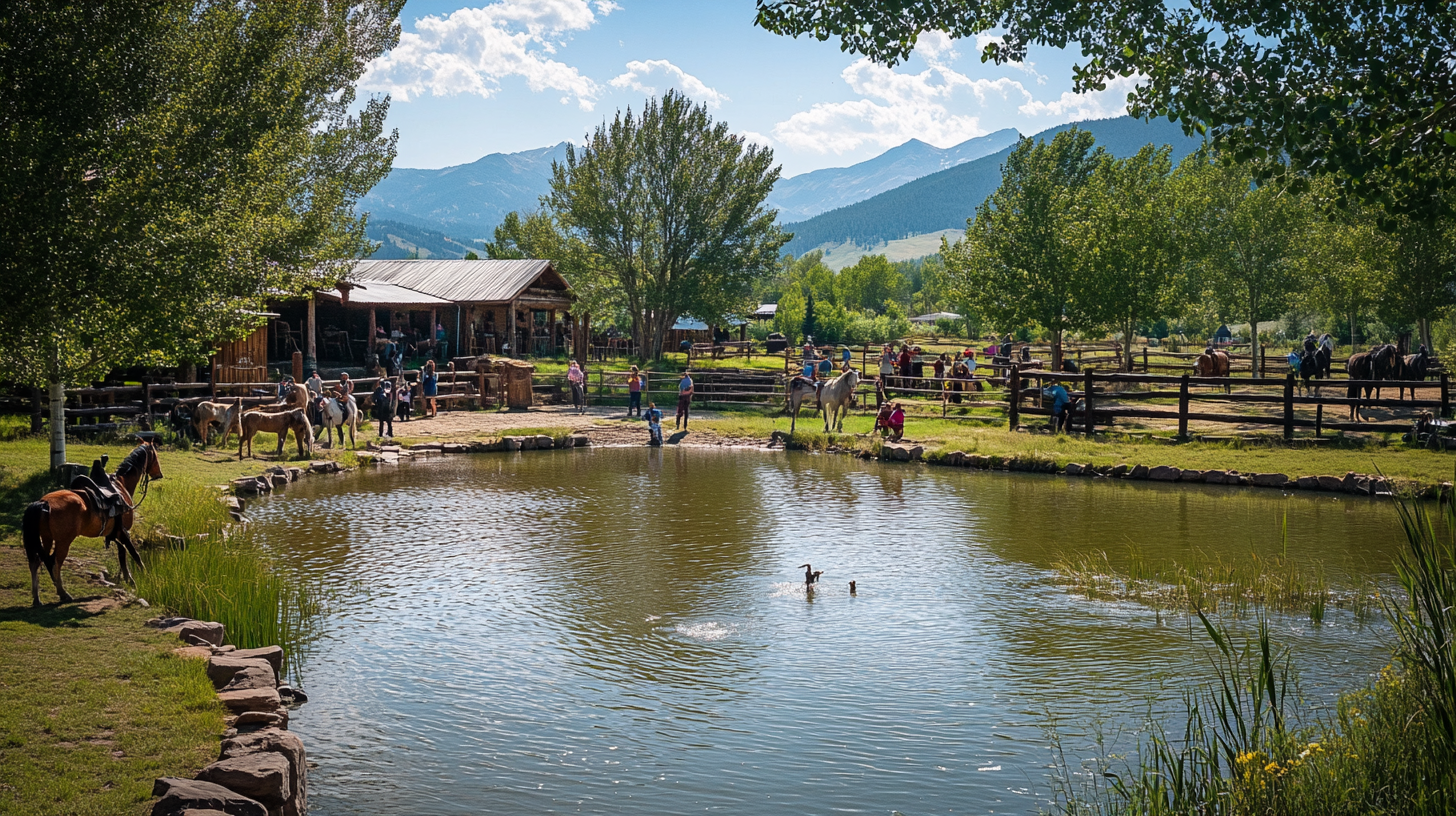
(30, 532)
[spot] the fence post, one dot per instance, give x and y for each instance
(1445, 395)
(1183, 407)
(480, 387)
(1013, 395)
(147, 406)
(1289, 406)
(1145, 359)
(1319, 419)
(1087, 424)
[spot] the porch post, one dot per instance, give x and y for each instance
(373, 327)
(310, 353)
(551, 330)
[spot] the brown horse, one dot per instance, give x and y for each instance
(1213, 363)
(60, 517)
(279, 423)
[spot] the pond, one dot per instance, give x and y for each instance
(626, 630)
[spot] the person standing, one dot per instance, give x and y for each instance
(430, 389)
(577, 379)
(684, 399)
(314, 384)
(634, 392)
(406, 401)
(383, 412)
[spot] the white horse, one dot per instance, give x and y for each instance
(833, 396)
(340, 414)
(205, 413)
(836, 397)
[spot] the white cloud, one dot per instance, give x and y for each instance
(473, 49)
(1073, 107)
(753, 137)
(638, 71)
(895, 107)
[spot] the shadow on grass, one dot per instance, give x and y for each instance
(14, 498)
(50, 615)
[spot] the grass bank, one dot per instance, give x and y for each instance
(1388, 748)
(985, 433)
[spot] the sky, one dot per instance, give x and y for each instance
(468, 79)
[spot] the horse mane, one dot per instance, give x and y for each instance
(136, 460)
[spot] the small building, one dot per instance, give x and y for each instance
(1223, 335)
(934, 317)
(765, 311)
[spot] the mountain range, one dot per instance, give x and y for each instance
(909, 190)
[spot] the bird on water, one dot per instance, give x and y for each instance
(811, 575)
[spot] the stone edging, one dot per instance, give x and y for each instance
(261, 768)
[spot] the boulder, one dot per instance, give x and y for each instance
(279, 480)
(294, 474)
(328, 466)
(1073, 469)
(1165, 473)
(259, 676)
(1138, 472)
(289, 694)
(277, 741)
(264, 699)
(566, 442)
(272, 654)
(917, 452)
(510, 443)
(1331, 483)
(580, 441)
(250, 485)
(180, 795)
(165, 623)
(1118, 471)
(454, 447)
(1217, 477)
(527, 442)
(262, 719)
(1307, 482)
(1189, 475)
(208, 632)
(544, 442)
(1269, 479)
(898, 453)
(427, 446)
(222, 668)
(976, 460)
(265, 777)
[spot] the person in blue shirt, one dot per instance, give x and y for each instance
(809, 366)
(654, 424)
(1060, 400)
(825, 368)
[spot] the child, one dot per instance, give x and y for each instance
(896, 422)
(654, 425)
(882, 419)
(402, 411)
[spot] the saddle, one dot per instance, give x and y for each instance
(99, 491)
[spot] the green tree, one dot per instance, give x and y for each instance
(1344, 261)
(1129, 248)
(869, 283)
(1424, 275)
(810, 323)
(1019, 254)
(670, 204)
(168, 166)
(789, 317)
(1242, 240)
(1349, 89)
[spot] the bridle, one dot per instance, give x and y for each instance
(145, 487)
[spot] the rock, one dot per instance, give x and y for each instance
(1349, 483)
(1269, 479)
(527, 442)
(544, 442)
(262, 719)
(580, 441)
(264, 699)
(179, 795)
(165, 623)
(294, 474)
(251, 485)
(222, 668)
(1073, 469)
(209, 632)
(899, 454)
(258, 676)
(1189, 475)
(1332, 483)
(570, 442)
(917, 452)
(278, 741)
(1216, 477)
(1138, 472)
(193, 652)
(1165, 473)
(510, 443)
(291, 694)
(272, 654)
(1307, 483)
(427, 446)
(328, 466)
(1118, 471)
(454, 447)
(265, 777)
(224, 649)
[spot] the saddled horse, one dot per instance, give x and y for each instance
(836, 397)
(1308, 370)
(795, 392)
(1385, 364)
(1213, 363)
(338, 413)
(90, 507)
(1413, 368)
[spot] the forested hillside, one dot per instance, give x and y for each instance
(946, 199)
(399, 240)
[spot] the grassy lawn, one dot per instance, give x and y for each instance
(985, 433)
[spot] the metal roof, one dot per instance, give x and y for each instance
(934, 316)
(766, 310)
(462, 281)
(374, 293)
(686, 323)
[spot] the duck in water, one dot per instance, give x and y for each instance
(811, 575)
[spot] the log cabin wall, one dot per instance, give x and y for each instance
(244, 360)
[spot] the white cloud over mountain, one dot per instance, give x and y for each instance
(471, 50)
(639, 74)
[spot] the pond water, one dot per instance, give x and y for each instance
(626, 630)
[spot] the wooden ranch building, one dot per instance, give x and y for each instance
(451, 307)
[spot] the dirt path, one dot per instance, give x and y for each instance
(605, 426)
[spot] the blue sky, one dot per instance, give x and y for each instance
(474, 78)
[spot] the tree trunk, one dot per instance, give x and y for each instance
(57, 393)
(1352, 332)
(1425, 327)
(1056, 349)
(1127, 345)
(1254, 342)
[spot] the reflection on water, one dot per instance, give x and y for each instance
(626, 630)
